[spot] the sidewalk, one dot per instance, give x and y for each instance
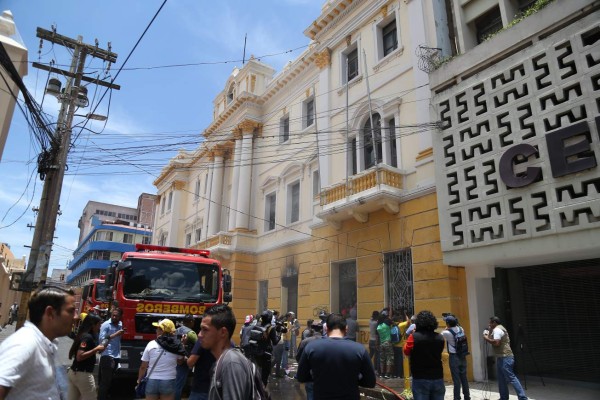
(553, 390)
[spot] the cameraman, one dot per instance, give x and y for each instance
(261, 353)
(280, 352)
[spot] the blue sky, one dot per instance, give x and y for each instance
(155, 112)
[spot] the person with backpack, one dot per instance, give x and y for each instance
(458, 349)
(234, 376)
(259, 349)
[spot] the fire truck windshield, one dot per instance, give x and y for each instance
(169, 280)
(101, 292)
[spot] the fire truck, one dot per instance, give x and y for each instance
(93, 295)
(156, 282)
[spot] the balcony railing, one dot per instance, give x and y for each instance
(364, 181)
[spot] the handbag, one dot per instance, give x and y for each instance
(140, 389)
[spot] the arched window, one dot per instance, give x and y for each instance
(372, 142)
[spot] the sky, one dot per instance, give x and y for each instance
(156, 112)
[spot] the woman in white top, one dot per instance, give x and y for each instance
(160, 359)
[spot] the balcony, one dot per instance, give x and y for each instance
(374, 189)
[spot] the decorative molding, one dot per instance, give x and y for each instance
(178, 185)
(323, 59)
(348, 40)
(424, 154)
(307, 93)
(384, 11)
(247, 126)
(252, 83)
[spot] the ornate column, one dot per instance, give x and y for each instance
(235, 180)
(216, 192)
(175, 218)
(246, 129)
(322, 107)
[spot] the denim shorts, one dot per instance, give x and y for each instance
(160, 386)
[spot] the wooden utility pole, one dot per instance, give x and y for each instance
(43, 236)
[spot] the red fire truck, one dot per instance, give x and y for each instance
(93, 294)
(157, 282)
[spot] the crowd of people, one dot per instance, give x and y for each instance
(331, 363)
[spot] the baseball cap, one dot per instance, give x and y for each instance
(166, 325)
(450, 319)
(249, 318)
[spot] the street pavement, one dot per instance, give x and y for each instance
(287, 388)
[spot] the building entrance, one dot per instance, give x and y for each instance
(552, 313)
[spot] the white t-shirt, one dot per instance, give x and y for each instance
(165, 369)
(450, 339)
(27, 365)
(497, 333)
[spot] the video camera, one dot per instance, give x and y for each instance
(280, 326)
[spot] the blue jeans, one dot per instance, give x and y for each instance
(504, 370)
(458, 369)
(198, 396)
(310, 390)
(428, 389)
(284, 358)
(182, 374)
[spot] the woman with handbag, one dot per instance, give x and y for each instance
(82, 385)
(162, 356)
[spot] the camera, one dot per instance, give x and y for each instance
(280, 326)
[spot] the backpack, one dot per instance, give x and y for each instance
(258, 389)
(258, 341)
(460, 342)
(395, 334)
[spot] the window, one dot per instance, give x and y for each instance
(198, 234)
(350, 63)
(170, 201)
(197, 190)
(103, 255)
(393, 144)
(127, 238)
(162, 206)
(146, 239)
(309, 112)
(270, 212)
(399, 285)
(293, 202)
(284, 129)
(488, 23)
(372, 142)
(389, 38)
(162, 240)
(316, 183)
(188, 239)
(343, 286)
(104, 236)
(263, 295)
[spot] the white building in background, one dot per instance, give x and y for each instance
(17, 52)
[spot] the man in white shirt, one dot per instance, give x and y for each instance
(27, 369)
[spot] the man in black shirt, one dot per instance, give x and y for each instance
(202, 361)
(425, 347)
(336, 366)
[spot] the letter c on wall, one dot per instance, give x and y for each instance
(507, 172)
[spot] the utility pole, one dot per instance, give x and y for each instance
(43, 237)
